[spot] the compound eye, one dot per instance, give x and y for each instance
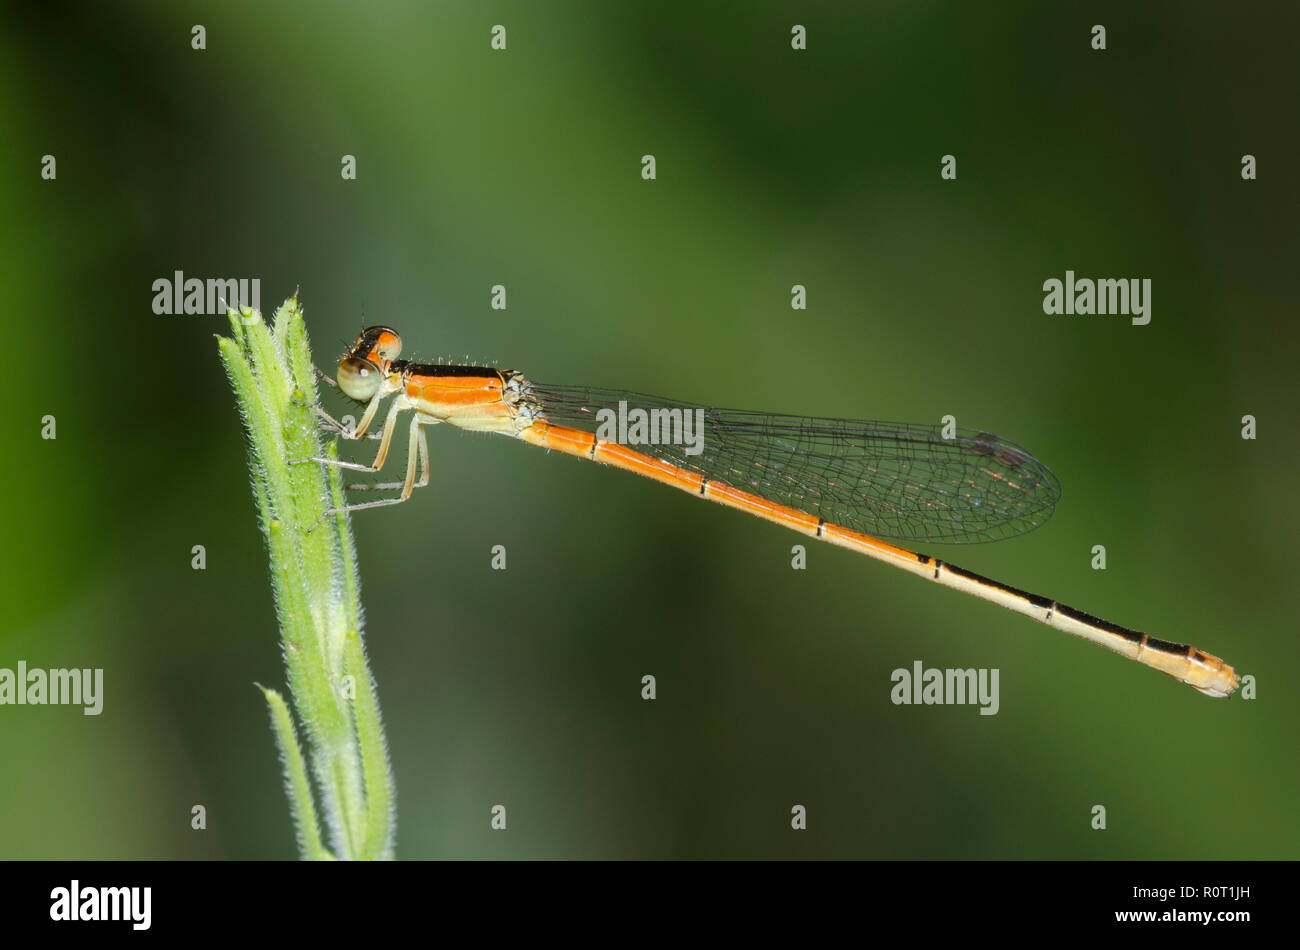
(382, 341)
(359, 379)
(387, 343)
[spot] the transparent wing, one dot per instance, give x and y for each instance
(890, 480)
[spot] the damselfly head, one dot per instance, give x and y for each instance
(361, 371)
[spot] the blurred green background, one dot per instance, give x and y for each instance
(775, 167)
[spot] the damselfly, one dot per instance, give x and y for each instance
(847, 482)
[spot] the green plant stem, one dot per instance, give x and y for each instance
(317, 595)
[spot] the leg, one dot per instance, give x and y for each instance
(407, 485)
(424, 459)
(333, 425)
(330, 422)
(369, 415)
(385, 439)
